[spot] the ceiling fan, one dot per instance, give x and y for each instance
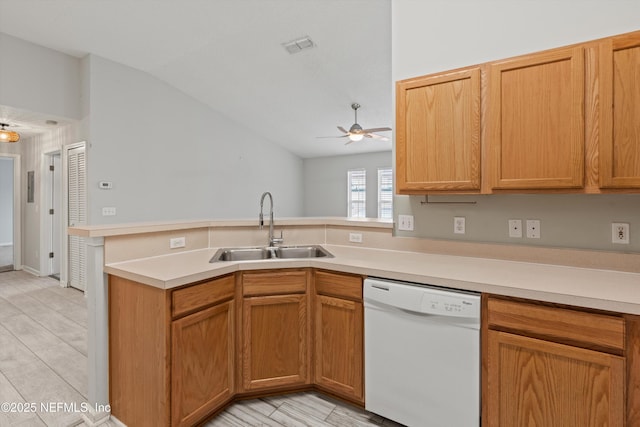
(356, 133)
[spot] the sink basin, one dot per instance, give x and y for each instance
(281, 252)
(302, 252)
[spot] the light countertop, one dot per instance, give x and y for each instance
(592, 288)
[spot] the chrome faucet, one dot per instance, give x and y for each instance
(272, 240)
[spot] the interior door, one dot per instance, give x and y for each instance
(56, 204)
(77, 214)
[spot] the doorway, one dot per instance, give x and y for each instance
(10, 231)
(6, 214)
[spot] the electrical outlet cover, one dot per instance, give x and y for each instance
(620, 233)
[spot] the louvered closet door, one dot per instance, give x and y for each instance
(77, 172)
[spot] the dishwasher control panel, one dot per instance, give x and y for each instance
(458, 305)
(422, 299)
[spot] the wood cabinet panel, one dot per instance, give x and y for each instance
(534, 382)
(339, 335)
(139, 334)
(438, 133)
(590, 330)
(535, 120)
(275, 341)
(201, 295)
(274, 282)
(339, 285)
(202, 375)
(620, 112)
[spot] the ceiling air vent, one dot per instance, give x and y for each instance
(299, 44)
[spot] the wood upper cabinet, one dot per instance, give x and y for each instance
(275, 329)
(535, 121)
(438, 133)
(619, 148)
(552, 366)
(339, 334)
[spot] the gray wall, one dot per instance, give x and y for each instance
(171, 157)
(438, 35)
(6, 200)
(38, 79)
(325, 182)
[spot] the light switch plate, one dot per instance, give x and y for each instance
(515, 228)
(108, 211)
(405, 222)
(533, 228)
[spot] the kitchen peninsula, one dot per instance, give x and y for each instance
(138, 257)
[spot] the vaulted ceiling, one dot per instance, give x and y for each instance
(229, 55)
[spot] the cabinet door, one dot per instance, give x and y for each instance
(438, 133)
(538, 383)
(620, 112)
(339, 334)
(535, 121)
(202, 363)
(275, 341)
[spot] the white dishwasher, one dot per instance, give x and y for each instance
(422, 354)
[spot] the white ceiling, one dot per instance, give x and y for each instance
(228, 55)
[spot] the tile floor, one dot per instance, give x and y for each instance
(43, 360)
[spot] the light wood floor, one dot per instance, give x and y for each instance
(43, 360)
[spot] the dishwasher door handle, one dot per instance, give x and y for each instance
(381, 287)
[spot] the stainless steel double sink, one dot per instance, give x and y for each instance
(265, 253)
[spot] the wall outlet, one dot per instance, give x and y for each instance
(515, 228)
(620, 233)
(355, 237)
(109, 211)
(459, 226)
(533, 228)
(405, 222)
(177, 242)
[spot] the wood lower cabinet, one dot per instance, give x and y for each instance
(202, 363)
(275, 349)
(171, 352)
(339, 334)
(553, 366)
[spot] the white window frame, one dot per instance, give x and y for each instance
(357, 206)
(385, 193)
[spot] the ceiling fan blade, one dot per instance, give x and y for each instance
(343, 129)
(337, 136)
(375, 130)
(378, 137)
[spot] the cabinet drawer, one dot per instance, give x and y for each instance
(194, 297)
(274, 283)
(564, 325)
(339, 285)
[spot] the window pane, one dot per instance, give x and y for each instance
(357, 183)
(385, 193)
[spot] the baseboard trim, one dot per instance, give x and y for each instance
(31, 270)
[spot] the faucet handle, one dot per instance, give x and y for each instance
(276, 240)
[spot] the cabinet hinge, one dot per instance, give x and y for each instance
(50, 211)
(51, 168)
(50, 254)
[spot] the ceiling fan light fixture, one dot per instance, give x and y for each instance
(8, 135)
(355, 137)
